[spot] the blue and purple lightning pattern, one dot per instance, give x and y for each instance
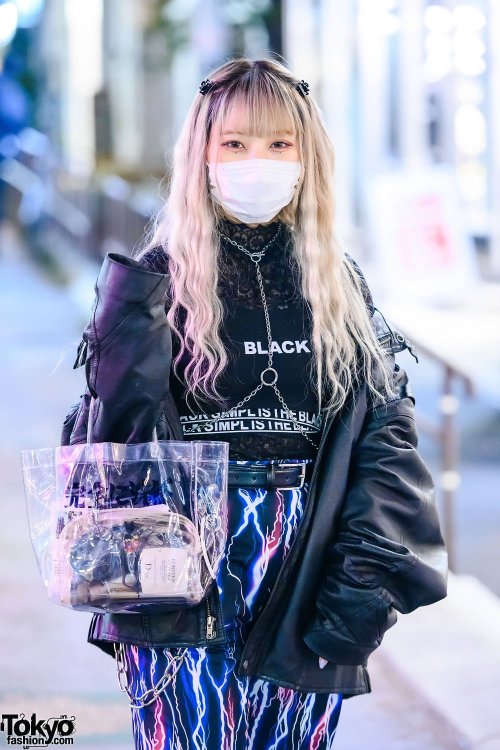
(207, 706)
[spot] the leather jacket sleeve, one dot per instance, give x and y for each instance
(126, 350)
(388, 553)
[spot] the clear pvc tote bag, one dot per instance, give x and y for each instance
(127, 527)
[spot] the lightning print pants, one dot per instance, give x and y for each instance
(207, 706)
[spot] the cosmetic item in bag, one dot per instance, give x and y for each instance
(123, 555)
(128, 527)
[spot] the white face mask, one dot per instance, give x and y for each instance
(253, 190)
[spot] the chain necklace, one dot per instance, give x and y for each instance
(269, 375)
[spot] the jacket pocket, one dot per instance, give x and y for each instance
(350, 642)
(387, 615)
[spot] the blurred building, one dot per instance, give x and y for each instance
(406, 83)
(402, 83)
(124, 72)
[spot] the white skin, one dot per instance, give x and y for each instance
(235, 145)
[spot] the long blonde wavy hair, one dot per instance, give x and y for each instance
(346, 349)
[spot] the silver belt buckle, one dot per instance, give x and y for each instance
(302, 477)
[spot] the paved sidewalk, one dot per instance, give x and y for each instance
(46, 665)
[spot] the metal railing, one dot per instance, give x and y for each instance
(445, 431)
(56, 210)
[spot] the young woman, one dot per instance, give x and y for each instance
(277, 349)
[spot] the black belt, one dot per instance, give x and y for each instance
(271, 476)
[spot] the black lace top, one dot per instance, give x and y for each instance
(260, 428)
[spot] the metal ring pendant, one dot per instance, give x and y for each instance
(262, 374)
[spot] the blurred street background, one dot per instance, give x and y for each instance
(92, 96)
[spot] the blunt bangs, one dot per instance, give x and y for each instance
(265, 105)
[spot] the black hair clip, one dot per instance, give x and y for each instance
(303, 87)
(206, 86)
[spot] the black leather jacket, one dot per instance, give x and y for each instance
(369, 544)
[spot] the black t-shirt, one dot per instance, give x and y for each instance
(260, 428)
